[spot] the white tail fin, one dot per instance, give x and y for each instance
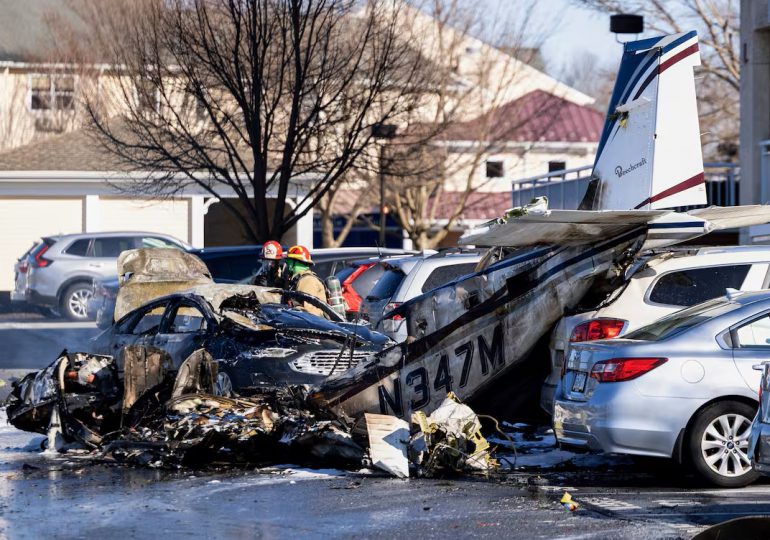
(649, 155)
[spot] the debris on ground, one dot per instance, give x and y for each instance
(568, 503)
(162, 418)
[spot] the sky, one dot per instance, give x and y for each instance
(573, 31)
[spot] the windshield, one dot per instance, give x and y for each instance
(387, 285)
(678, 322)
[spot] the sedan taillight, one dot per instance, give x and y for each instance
(624, 369)
(597, 329)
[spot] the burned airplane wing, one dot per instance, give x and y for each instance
(466, 334)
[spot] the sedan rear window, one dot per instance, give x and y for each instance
(678, 322)
(387, 285)
(696, 285)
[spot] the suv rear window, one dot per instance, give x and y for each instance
(365, 283)
(696, 285)
(444, 274)
(78, 248)
(387, 285)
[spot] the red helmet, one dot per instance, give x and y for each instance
(300, 253)
(272, 250)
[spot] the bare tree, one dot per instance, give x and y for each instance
(429, 186)
(717, 22)
(260, 99)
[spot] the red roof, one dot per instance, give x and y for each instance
(480, 205)
(537, 116)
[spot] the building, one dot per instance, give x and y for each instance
(755, 110)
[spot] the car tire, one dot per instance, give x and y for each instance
(718, 442)
(74, 301)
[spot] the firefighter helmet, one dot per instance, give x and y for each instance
(300, 253)
(272, 250)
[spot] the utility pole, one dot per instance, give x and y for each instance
(383, 133)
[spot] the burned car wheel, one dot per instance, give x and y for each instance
(224, 385)
(718, 444)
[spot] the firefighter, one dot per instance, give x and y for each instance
(270, 273)
(302, 279)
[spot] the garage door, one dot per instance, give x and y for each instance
(24, 220)
(167, 217)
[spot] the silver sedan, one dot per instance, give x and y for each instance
(682, 387)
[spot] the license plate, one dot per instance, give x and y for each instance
(579, 384)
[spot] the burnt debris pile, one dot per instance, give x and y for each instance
(158, 417)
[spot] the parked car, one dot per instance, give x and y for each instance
(759, 439)
(58, 272)
(405, 278)
(257, 339)
(659, 285)
(681, 387)
(358, 278)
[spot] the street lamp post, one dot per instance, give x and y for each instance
(383, 132)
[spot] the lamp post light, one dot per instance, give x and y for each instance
(626, 23)
(383, 132)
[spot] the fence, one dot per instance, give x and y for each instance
(565, 189)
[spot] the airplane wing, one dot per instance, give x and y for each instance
(728, 217)
(559, 227)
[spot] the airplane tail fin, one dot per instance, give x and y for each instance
(649, 155)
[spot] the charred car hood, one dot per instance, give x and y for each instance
(293, 320)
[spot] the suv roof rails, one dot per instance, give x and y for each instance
(455, 251)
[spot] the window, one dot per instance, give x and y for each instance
(188, 319)
(233, 267)
(366, 281)
(78, 248)
(696, 285)
(495, 169)
(387, 285)
(111, 247)
(149, 321)
(51, 92)
(755, 334)
(556, 166)
(147, 96)
(155, 242)
(444, 274)
(682, 320)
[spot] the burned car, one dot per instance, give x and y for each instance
(168, 302)
(258, 340)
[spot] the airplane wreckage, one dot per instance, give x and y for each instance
(462, 337)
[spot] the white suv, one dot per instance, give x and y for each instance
(660, 284)
(405, 278)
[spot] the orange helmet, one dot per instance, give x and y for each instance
(272, 250)
(300, 253)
